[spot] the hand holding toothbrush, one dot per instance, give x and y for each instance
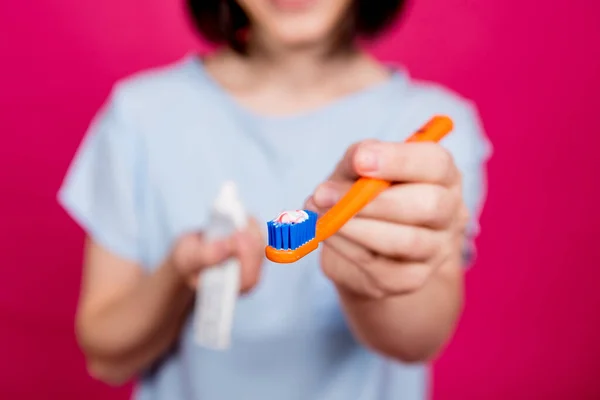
(412, 230)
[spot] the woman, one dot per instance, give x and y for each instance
(278, 109)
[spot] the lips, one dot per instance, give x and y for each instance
(293, 5)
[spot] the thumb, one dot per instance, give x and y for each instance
(194, 252)
(251, 253)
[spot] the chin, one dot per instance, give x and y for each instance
(296, 23)
(301, 36)
(300, 32)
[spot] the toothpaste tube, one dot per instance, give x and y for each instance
(219, 286)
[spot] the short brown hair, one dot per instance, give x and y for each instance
(224, 21)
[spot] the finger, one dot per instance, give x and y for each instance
(425, 205)
(193, 281)
(254, 228)
(346, 274)
(249, 248)
(393, 240)
(383, 276)
(329, 193)
(405, 162)
(345, 170)
(194, 252)
(418, 204)
(312, 206)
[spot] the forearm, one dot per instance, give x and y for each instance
(411, 327)
(124, 337)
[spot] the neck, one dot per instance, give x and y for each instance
(300, 70)
(305, 72)
(298, 67)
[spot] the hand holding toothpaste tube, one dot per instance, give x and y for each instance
(194, 253)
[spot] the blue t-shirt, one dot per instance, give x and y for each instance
(148, 171)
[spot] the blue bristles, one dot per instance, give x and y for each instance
(290, 236)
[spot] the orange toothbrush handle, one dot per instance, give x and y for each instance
(365, 190)
(433, 131)
(360, 194)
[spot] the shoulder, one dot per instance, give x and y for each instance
(167, 92)
(422, 99)
(426, 97)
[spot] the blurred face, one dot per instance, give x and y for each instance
(295, 23)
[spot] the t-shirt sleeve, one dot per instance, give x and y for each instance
(471, 150)
(100, 188)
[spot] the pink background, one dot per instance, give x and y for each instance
(529, 330)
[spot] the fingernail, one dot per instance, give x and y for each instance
(326, 196)
(367, 157)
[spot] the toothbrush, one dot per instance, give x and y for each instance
(294, 234)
